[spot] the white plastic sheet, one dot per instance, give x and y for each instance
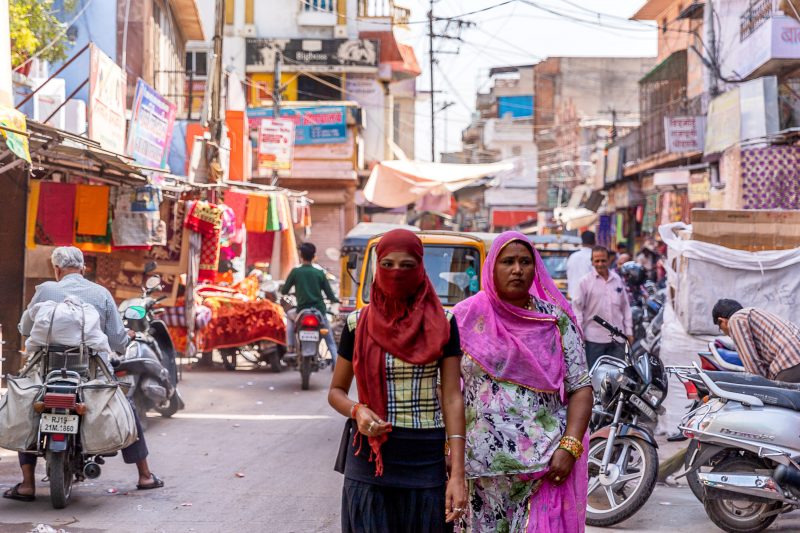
(67, 320)
(701, 273)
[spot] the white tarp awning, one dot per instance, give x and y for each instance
(399, 183)
(575, 217)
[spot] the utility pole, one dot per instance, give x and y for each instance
(215, 126)
(433, 101)
(276, 99)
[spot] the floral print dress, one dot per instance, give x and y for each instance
(512, 432)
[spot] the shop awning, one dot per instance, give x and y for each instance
(512, 218)
(399, 183)
(575, 217)
(398, 56)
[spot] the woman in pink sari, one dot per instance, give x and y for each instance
(527, 396)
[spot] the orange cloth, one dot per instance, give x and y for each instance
(255, 219)
(33, 207)
(91, 209)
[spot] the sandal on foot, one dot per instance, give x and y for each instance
(14, 494)
(156, 484)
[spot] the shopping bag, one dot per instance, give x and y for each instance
(19, 423)
(108, 424)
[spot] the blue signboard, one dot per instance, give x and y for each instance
(516, 106)
(313, 125)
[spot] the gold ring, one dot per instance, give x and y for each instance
(371, 425)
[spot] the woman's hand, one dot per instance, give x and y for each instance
(370, 424)
(455, 500)
(561, 464)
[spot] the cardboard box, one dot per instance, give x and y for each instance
(751, 230)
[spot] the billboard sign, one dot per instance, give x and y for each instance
(275, 144)
(106, 102)
(152, 122)
(312, 125)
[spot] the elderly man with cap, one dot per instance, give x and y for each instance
(69, 268)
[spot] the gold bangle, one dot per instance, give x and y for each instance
(571, 445)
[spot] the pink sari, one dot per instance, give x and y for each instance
(524, 348)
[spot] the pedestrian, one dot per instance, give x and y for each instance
(768, 345)
(68, 265)
(579, 263)
(528, 398)
(602, 292)
(396, 347)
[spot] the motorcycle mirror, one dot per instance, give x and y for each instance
(134, 312)
(153, 282)
(352, 261)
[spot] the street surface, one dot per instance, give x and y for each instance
(254, 453)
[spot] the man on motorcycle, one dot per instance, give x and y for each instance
(767, 344)
(69, 267)
(310, 287)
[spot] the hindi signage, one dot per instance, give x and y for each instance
(684, 134)
(152, 121)
(106, 102)
(328, 55)
(275, 144)
(312, 125)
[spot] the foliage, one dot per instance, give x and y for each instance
(34, 27)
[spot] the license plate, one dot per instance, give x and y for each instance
(59, 423)
(309, 336)
(643, 407)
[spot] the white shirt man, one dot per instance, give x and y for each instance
(579, 263)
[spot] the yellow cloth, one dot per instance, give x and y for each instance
(33, 208)
(91, 209)
(255, 219)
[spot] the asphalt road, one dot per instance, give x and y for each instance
(254, 453)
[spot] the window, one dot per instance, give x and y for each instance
(309, 88)
(197, 64)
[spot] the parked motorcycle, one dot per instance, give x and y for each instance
(623, 461)
(747, 449)
(149, 365)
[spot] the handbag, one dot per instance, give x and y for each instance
(344, 444)
(108, 424)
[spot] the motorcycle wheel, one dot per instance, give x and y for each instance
(140, 403)
(228, 358)
(171, 408)
(60, 473)
(634, 469)
(740, 516)
(305, 372)
(275, 358)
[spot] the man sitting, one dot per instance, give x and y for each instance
(768, 345)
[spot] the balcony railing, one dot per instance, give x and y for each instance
(383, 9)
(754, 16)
(318, 6)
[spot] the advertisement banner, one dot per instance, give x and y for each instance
(724, 122)
(684, 134)
(275, 144)
(312, 125)
(152, 121)
(106, 102)
(15, 137)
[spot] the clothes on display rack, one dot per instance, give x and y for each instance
(55, 216)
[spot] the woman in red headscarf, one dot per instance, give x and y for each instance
(397, 348)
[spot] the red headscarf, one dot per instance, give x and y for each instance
(405, 318)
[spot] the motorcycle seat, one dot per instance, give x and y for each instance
(730, 356)
(779, 397)
(743, 378)
(725, 342)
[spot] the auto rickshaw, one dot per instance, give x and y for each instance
(554, 250)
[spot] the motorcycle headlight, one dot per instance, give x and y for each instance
(653, 395)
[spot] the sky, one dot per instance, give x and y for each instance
(515, 33)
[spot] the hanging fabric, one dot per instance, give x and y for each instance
(33, 206)
(259, 247)
(621, 227)
(238, 203)
(256, 213)
(95, 243)
(206, 219)
(137, 219)
(91, 209)
(55, 216)
(273, 223)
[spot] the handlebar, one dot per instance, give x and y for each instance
(613, 330)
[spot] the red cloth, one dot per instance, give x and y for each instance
(405, 319)
(259, 247)
(237, 202)
(55, 216)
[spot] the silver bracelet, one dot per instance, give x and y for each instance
(451, 437)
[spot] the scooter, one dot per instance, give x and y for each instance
(149, 365)
(623, 461)
(748, 447)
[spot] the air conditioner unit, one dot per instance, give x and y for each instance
(340, 31)
(249, 30)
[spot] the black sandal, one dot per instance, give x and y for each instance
(156, 484)
(13, 494)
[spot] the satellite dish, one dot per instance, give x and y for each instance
(332, 254)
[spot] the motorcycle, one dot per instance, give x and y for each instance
(309, 331)
(149, 365)
(623, 458)
(747, 448)
(64, 370)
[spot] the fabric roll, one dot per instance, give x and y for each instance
(91, 209)
(33, 206)
(55, 216)
(256, 213)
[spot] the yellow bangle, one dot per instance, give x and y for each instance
(571, 445)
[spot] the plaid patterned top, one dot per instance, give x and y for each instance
(767, 343)
(411, 396)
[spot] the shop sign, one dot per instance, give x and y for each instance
(614, 159)
(106, 102)
(724, 122)
(320, 55)
(699, 188)
(312, 125)
(275, 143)
(671, 178)
(152, 121)
(684, 134)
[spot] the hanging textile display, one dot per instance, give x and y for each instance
(256, 213)
(55, 215)
(620, 236)
(238, 203)
(137, 220)
(206, 219)
(95, 243)
(273, 218)
(650, 213)
(91, 209)
(604, 231)
(33, 206)
(259, 247)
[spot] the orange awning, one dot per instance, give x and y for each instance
(400, 57)
(510, 219)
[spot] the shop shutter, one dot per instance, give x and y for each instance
(327, 231)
